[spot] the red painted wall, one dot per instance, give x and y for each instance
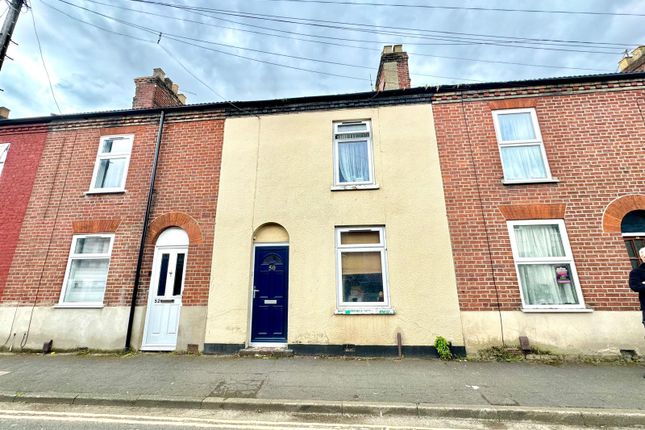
(16, 183)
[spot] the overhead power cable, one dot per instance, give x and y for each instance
(196, 42)
(465, 8)
(469, 38)
(207, 48)
(325, 42)
(42, 58)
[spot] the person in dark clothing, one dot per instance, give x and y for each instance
(637, 281)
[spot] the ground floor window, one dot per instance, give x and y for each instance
(544, 263)
(633, 228)
(362, 267)
(87, 270)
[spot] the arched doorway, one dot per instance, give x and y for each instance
(632, 228)
(270, 286)
(166, 288)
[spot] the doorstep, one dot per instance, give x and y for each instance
(257, 351)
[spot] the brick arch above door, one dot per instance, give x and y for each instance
(616, 211)
(175, 219)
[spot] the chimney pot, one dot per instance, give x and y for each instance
(175, 88)
(4, 113)
(397, 48)
(158, 73)
(182, 98)
(387, 49)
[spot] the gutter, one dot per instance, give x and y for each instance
(144, 232)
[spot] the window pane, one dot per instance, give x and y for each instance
(523, 162)
(110, 174)
(86, 281)
(630, 249)
(163, 275)
(362, 277)
(116, 146)
(353, 165)
(348, 128)
(179, 274)
(547, 284)
(516, 126)
(92, 245)
(633, 222)
(539, 241)
(360, 237)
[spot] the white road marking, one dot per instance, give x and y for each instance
(189, 422)
(4, 372)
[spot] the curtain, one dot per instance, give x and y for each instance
(539, 241)
(86, 281)
(516, 126)
(540, 286)
(523, 162)
(353, 162)
(539, 281)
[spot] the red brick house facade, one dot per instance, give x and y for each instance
(20, 151)
(592, 133)
(53, 289)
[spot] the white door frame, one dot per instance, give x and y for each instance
(154, 279)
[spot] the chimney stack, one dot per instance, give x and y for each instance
(156, 91)
(633, 61)
(4, 113)
(393, 72)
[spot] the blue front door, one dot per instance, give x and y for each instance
(270, 286)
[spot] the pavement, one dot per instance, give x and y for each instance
(609, 394)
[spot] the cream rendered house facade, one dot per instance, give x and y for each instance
(331, 231)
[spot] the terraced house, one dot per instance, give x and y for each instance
(83, 252)
(366, 223)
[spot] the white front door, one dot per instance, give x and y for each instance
(164, 298)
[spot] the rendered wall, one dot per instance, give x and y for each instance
(592, 333)
(279, 169)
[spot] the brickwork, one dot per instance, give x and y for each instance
(187, 181)
(16, 181)
(154, 92)
(593, 136)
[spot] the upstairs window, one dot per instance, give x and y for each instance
(112, 161)
(4, 150)
(520, 146)
(353, 154)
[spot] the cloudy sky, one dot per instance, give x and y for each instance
(259, 49)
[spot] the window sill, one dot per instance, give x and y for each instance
(95, 192)
(79, 306)
(531, 181)
(355, 187)
(556, 310)
(364, 311)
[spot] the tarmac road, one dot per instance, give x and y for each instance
(55, 417)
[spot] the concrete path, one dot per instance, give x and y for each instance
(159, 378)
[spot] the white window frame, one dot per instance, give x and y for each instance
(515, 143)
(4, 151)
(72, 256)
(370, 158)
(106, 156)
(362, 307)
(566, 259)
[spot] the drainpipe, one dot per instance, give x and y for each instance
(144, 233)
